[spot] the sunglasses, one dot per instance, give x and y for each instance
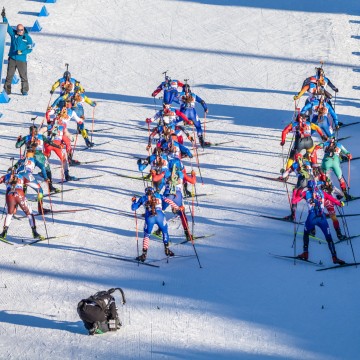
(19, 30)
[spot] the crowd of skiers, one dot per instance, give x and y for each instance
(314, 184)
(170, 181)
(51, 136)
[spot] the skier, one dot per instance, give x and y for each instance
(57, 137)
(328, 188)
(170, 89)
(187, 106)
(159, 163)
(303, 170)
(319, 115)
(316, 85)
(152, 201)
(316, 217)
(301, 129)
(168, 115)
(15, 196)
(64, 80)
(65, 115)
(40, 159)
(173, 191)
(166, 130)
(333, 150)
(26, 167)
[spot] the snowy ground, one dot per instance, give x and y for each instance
(245, 59)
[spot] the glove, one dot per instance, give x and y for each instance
(337, 127)
(182, 208)
(282, 143)
(153, 94)
(51, 92)
(342, 204)
(148, 147)
(206, 111)
(296, 97)
(40, 196)
(139, 162)
(19, 52)
(19, 138)
(191, 138)
(324, 137)
(148, 120)
(336, 89)
(94, 103)
(193, 173)
(349, 156)
(3, 14)
(133, 199)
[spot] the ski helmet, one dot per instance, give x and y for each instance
(33, 129)
(319, 72)
(149, 190)
(67, 75)
(186, 88)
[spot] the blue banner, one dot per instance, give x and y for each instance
(3, 31)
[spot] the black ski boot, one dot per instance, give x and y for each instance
(36, 235)
(340, 236)
(348, 197)
(72, 162)
(69, 177)
(168, 252)
(158, 232)
(51, 186)
(41, 208)
(88, 142)
(338, 261)
(304, 256)
(4, 233)
(188, 235)
(187, 192)
(142, 257)
(202, 142)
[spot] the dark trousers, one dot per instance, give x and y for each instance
(21, 66)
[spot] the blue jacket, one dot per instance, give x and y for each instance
(21, 43)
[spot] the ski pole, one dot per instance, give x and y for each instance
(347, 230)
(349, 176)
(42, 121)
(92, 124)
(51, 208)
(62, 181)
(149, 150)
(191, 236)
(194, 187)
(137, 235)
(204, 125)
(74, 147)
(43, 216)
(197, 155)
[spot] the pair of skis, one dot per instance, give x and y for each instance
(149, 262)
(319, 264)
